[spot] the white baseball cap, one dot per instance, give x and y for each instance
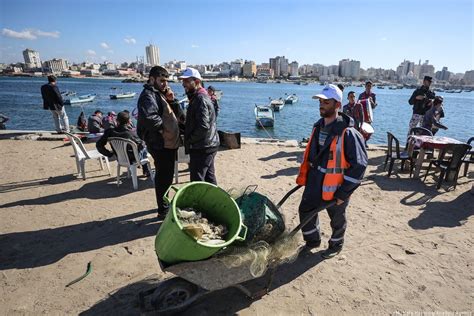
(330, 91)
(190, 72)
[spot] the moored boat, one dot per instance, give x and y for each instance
(264, 116)
(80, 99)
(291, 99)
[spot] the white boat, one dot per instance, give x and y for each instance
(264, 116)
(277, 105)
(291, 99)
(123, 95)
(68, 93)
(80, 99)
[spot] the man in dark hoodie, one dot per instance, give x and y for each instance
(160, 122)
(123, 130)
(200, 137)
(333, 166)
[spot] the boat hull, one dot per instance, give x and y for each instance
(264, 122)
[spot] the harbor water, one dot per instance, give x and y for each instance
(20, 100)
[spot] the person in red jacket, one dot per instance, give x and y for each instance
(333, 166)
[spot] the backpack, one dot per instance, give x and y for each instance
(82, 122)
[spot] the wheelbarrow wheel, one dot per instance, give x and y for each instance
(174, 295)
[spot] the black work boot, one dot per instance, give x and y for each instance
(332, 251)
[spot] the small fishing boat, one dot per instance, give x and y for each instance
(277, 105)
(80, 99)
(264, 116)
(291, 99)
(123, 95)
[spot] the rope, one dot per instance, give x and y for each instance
(270, 136)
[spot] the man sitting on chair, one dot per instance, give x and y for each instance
(123, 131)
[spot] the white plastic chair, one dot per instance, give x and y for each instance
(82, 154)
(120, 146)
(181, 158)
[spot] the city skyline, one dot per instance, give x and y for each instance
(252, 30)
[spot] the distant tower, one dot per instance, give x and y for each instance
(32, 58)
(152, 55)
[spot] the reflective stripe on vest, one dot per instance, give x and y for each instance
(334, 171)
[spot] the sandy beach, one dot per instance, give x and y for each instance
(409, 247)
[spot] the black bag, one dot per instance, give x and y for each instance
(82, 122)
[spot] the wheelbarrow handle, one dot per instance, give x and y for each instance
(283, 200)
(314, 211)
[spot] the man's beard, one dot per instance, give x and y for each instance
(326, 113)
(190, 91)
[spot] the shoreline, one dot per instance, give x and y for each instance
(53, 136)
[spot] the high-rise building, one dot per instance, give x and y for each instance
(405, 67)
(279, 65)
(249, 69)
(236, 67)
(426, 70)
(443, 75)
(32, 58)
(469, 77)
(349, 69)
(152, 55)
(56, 65)
(294, 69)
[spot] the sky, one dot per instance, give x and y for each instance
(377, 33)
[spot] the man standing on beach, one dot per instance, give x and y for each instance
(158, 124)
(200, 137)
(212, 94)
(421, 99)
(53, 101)
(333, 166)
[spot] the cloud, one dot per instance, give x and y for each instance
(194, 46)
(383, 39)
(91, 52)
(54, 34)
(104, 45)
(130, 40)
(29, 34)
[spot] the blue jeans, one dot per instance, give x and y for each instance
(61, 121)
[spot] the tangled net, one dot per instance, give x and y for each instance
(261, 255)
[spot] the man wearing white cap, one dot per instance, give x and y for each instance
(200, 135)
(333, 166)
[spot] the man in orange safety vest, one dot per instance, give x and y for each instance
(333, 166)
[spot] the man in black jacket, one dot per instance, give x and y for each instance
(333, 166)
(159, 120)
(123, 131)
(53, 101)
(94, 123)
(421, 99)
(200, 137)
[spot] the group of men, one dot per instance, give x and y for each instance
(334, 161)
(164, 127)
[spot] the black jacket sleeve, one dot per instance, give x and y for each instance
(202, 120)
(356, 156)
(58, 96)
(411, 101)
(100, 145)
(149, 110)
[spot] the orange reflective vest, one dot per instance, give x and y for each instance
(334, 171)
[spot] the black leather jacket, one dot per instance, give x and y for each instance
(150, 111)
(201, 128)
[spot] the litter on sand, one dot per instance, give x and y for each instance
(200, 228)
